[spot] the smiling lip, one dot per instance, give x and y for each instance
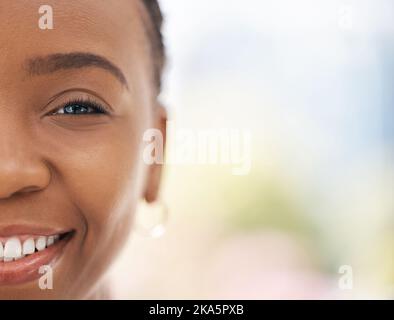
(27, 268)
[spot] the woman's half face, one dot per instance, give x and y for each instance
(74, 103)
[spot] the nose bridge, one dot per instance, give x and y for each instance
(13, 136)
(21, 168)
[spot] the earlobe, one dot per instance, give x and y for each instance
(155, 169)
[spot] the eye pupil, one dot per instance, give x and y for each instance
(75, 109)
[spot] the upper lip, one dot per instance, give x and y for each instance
(13, 230)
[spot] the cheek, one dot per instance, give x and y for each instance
(105, 181)
(101, 172)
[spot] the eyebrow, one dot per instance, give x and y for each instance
(74, 60)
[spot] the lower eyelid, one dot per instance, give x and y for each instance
(64, 115)
(75, 123)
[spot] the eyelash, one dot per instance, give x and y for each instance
(98, 109)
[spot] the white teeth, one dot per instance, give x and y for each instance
(41, 243)
(12, 248)
(50, 241)
(28, 246)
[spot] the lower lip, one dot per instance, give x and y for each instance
(27, 268)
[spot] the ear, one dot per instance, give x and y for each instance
(155, 169)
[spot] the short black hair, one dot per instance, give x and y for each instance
(156, 38)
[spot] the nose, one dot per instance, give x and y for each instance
(21, 171)
(21, 178)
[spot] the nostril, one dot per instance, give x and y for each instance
(23, 191)
(28, 189)
(20, 177)
(31, 189)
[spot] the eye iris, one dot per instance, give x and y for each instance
(75, 109)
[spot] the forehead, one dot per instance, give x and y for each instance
(113, 29)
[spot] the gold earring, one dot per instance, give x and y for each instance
(151, 219)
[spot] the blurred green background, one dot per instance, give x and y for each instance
(312, 82)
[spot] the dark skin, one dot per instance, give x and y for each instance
(81, 170)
